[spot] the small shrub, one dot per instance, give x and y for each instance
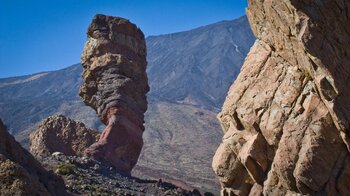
(65, 169)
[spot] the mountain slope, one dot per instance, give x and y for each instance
(179, 143)
(26, 100)
(197, 67)
(189, 74)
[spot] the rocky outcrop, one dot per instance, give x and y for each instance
(286, 118)
(21, 174)
(115, 85)
(60, 134)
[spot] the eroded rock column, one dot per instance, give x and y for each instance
(115, 85)
(286, 118)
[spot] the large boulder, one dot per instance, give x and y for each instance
(286, 118)
(21, 173)
(60, 134)
(115, 85)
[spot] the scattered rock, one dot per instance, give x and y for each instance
(115, 85)
(286, 117)
(57, 154)
(82, 178)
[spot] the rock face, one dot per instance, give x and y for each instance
(286, 118)
(115, 85)
(21, 174)
(60, 134)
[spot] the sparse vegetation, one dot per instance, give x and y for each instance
(307, 74)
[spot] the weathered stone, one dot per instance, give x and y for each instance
(230, 171)
(21, 173)
(115, 85)
(256, 190)
(61, 134)
(290, 102)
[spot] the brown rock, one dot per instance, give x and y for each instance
(286, 117)
(61, 134)
(115, 85)
(21, 174)
(15, 180)
(256, 190)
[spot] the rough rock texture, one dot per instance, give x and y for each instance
(21, 173)
(60, 134)
(286, 118)
(115, 85)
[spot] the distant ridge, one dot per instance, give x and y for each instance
(197, 67)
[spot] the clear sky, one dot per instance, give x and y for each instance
(45, 35)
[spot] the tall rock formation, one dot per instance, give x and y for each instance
(286, 118)
(115, 85)
(21, 173)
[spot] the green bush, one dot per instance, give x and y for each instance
(65, 169)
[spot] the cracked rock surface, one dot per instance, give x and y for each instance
(286, 118)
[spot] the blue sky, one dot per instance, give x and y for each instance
(40, 35)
